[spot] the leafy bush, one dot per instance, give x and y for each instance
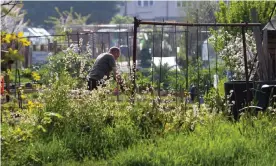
(77, 65)
(215, 99)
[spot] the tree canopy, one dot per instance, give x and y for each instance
(101, 11)
(118, 19)
(203, 12)
(65, 19)
(239, 11)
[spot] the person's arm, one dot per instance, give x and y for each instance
(116, 74)
(117, 77)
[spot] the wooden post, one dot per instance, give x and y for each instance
(136, 25)
(31, 56)
(34, 47)
(266, 54)
(55, 47)
(26, 55)
(262, 71)
(68, 39)
(245, 64)
(42, 47)
(49, 46)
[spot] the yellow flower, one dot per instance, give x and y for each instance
(20, 34)
(30, 104)
(23, 96)
(35, 76)
(13, 36)
(12, 52)
(7, 38)
(39, 105)
(24, 41)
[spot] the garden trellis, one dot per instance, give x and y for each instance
(137, 23)
(102, 40)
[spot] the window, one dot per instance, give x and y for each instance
(145, 3)
(183, 3)
(139, 3)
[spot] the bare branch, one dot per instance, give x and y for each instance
(10, 3)
(7, 3)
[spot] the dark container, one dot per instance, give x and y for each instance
(28, 85)
(238, 95)
(262, 95)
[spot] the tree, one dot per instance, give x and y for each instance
(118, 19)
(102, 11)
(239, 11)
(203, 12)
(236, 12)
(7, 7)
(12, 16)
(65, 19)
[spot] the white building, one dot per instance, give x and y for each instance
(38, 37)
(156, 10)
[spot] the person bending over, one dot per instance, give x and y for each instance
(104, 65)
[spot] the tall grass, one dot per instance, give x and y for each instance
(216, 142)
(59, 128)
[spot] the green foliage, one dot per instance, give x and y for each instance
(101, 11)
(237, 12)
(143, 80)
(215, 142)
(240, 11)
(61, 127)
(65, 19)
(145, 57)
(202, 12)
(118, 19)
(215, 98)
(161, 75)
(21, 127)
(80, 124)
(27, 73)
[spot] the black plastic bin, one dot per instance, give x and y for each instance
(262, 95)
(239, 95)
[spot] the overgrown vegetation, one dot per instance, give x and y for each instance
(62, 123)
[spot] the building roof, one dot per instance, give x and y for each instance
(29, 31)
(112, 30)
(271, 25)
(37, 35)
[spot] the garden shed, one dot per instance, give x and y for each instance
(269, 44)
